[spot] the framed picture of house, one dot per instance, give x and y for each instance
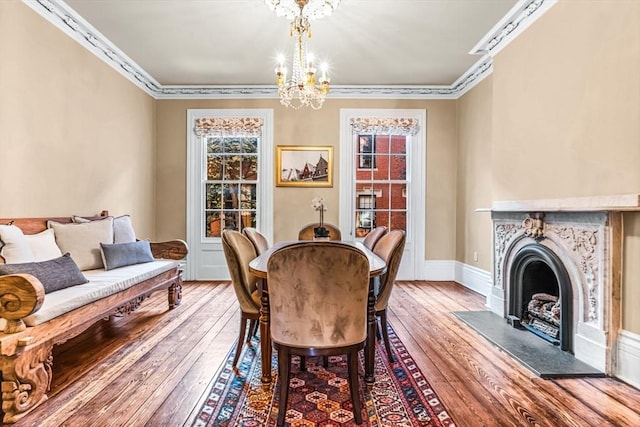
(304, 166)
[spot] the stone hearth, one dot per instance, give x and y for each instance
(585, 235)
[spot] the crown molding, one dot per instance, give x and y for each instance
(518, 19)
(66, 19)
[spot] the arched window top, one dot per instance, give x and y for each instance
(385, 125)
(228, 126)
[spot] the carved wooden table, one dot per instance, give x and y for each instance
(258, 268)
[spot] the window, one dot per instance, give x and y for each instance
(381, 182)
(384, 177)
(230, 184)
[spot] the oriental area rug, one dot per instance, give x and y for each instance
(319, 397)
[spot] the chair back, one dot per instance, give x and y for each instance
(374, 235)
(239, 252)
(318, 295)
(306, 232)
(390, 248)
(259, 240)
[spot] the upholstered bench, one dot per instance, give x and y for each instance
(38, 313)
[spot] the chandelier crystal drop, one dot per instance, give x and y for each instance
(302, 88)
(311, 9)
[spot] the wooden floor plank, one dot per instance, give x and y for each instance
(154, 366)
(485, 366)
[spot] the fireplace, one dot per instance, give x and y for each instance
(561, 258)
(540, 298)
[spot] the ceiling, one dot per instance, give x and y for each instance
(234, 43)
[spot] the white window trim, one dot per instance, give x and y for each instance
(415, 170)
(264, 191)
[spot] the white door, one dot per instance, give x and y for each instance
(382, 168)
(230, 158)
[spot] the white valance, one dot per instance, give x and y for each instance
(385, 125)
(229, 126)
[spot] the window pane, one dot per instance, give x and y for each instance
(214, 167)
(232, 168)
(213, 196)
(215, 145)
(382, 144)
(382, 218)
(398, 167)
(382, 171)
(382, 195)
(250, 145)
(398, 196)
(398, 144)
(399, 220)
(365, 221)
(248, 197)
(249, 167)
(231, 220)
(213, 225)
(230, 196)
(233, 145)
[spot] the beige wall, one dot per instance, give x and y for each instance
(566, 97)
(75, 136)
(474, 176)
(564, 107)
(307, 127)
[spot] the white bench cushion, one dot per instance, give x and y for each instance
(101, 284)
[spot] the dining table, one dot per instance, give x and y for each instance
(258, 267)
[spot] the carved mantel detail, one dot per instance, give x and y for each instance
(503, 237)
(583, 243)
(534, 225)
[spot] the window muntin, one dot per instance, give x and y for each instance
(230, 184)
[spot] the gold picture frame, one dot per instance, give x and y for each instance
(304, 166)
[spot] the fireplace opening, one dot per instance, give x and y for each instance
(540, 295)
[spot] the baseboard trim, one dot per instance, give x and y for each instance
(439, 270)
(628, 358)
(468, 276)
(473, 278)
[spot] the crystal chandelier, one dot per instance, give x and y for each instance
(302, 88)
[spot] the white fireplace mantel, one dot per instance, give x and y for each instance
(613, 203)
(587, 234)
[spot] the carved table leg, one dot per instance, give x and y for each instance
(26, 378)
(370, 347)
(265, 332)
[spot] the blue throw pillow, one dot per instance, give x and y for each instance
(54, 274)
(116, 255)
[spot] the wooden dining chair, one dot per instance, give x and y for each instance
(239, 251)
(259, 240)
(373, 236)
(306, 232)
(390, 248)
(318, 307)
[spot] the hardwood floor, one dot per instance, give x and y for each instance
(152, 367)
